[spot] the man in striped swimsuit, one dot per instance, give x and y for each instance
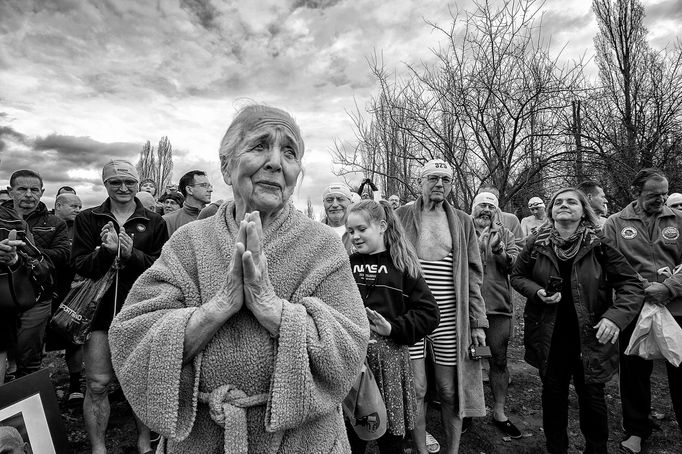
(446, 244)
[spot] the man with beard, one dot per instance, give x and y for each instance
(499, 250)
(336, 199)
(445, 241)
(647, 233)
(50, 234)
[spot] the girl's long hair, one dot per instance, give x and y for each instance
(402, 253)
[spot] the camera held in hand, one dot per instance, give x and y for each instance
(479, 352)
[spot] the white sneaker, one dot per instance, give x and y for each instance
(432, 444)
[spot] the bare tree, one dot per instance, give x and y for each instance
(491, 106)
(632, 118)
(156, 165)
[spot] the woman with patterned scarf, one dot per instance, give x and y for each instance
(573, 316)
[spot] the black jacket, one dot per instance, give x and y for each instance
(149, 234)
(50, 237)
(405, 302)
(598, 270)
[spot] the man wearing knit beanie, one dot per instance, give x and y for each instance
(499, 250)
(119, 228)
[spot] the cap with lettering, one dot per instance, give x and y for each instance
(485, 197)
(535, 202)
(337, 189)
(119, 168)
(436, 167)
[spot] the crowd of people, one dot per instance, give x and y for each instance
(240, 326)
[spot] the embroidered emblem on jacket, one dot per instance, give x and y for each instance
(628, 232)
(670, 233)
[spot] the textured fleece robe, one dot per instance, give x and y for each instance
(305, 371)
(467, 276)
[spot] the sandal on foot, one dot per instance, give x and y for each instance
(432, 445)
(625, 450)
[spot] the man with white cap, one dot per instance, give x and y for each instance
(336, 199)
(119, 226)
(499, 250)
(447, 247)
(674, 201)
(530, 224)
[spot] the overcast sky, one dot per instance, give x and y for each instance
(82, 82)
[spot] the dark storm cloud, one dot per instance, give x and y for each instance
(666, 10)
(203, 11)
(314, 4)
(55, 155)
(8, 134)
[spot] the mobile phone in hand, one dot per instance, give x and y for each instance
(554, 285)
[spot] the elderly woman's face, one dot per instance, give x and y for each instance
(267, 164)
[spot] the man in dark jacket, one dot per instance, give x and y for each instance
(121, 226)
(66, 207)
(49, 232)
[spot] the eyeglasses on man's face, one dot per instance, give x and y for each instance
(202, 185)
(130, 184)
(433, 179)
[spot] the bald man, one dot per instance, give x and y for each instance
(11, 441)
(66, 207)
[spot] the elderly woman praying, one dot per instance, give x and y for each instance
(248, 331)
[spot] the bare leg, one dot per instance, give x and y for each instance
(497, 337)
(446, 381)
(143, 442)
(98, 372)
(419, 432)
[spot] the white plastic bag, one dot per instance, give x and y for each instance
(656, 335)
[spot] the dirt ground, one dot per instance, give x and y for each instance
(523, 408)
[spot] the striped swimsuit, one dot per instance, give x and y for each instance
(438, 276)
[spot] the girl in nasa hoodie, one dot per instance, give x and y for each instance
(400, 308)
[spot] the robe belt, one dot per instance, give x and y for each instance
(227, 406)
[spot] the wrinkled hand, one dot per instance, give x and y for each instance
(378, 323)
(126, 244)
(109, 238)
(231, 295)
(259, 294)
(607, 331)
(657, 293)
(542, 294)
(478, 336)
(8, 249)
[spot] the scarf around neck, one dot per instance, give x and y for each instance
(567, 248)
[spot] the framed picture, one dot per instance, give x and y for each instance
(29, 405)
